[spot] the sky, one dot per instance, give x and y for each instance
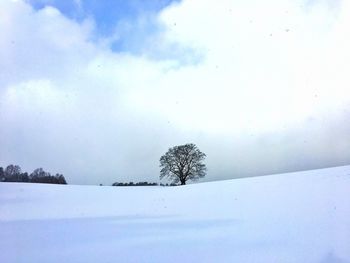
(99, 90)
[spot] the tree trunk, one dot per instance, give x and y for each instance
(183, 182)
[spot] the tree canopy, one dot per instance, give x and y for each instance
(182, 163)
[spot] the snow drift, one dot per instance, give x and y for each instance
(295, 217)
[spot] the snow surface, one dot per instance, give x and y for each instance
(296, 217)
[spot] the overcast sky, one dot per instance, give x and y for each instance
(99, 90)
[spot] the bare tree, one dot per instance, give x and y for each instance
(37, 174)
(182, 163)
(12, 173)
(2, 174)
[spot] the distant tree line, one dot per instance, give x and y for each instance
(172, 184)
(141, 184)
(13, 173)
(135, 184)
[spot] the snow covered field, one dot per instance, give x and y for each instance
(297, 217)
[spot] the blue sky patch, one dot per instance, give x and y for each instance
(128, 26)
(106, 13)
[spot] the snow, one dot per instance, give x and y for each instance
(295, 217)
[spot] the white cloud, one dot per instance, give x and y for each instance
(265, 69)
(264, 60)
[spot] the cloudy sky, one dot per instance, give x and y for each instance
(99, 90)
